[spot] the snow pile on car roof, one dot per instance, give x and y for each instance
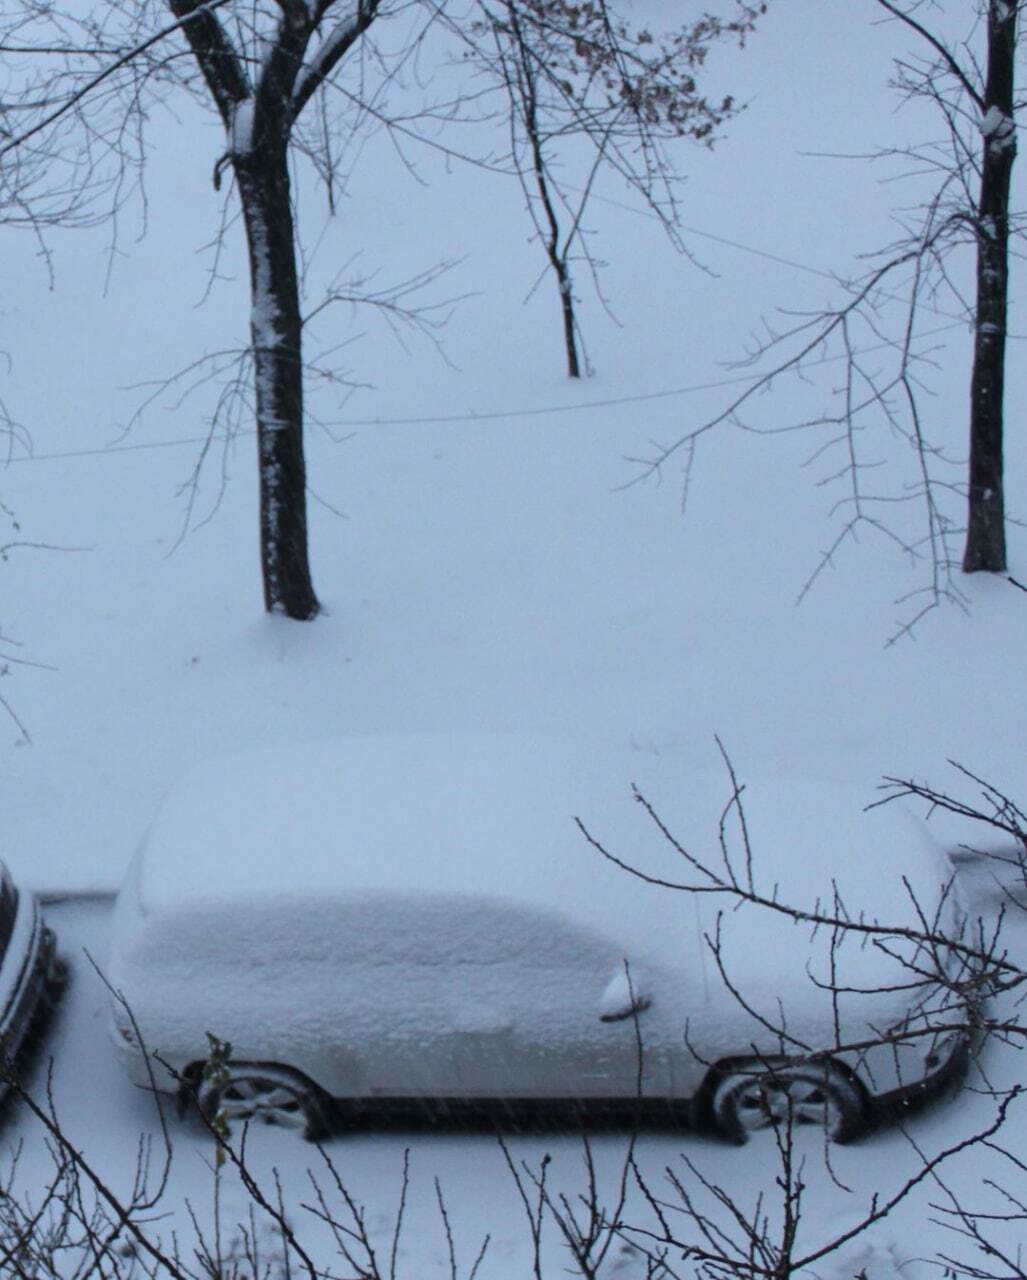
(494, 814)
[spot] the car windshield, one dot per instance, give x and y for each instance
(8, 909)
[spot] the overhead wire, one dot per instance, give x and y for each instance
(490, 415)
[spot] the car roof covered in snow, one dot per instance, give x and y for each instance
(493, 816)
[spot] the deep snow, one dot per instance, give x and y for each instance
(488, 571)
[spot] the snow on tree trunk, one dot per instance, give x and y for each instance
(263, 178)
(986, 538)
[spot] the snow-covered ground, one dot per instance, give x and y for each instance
(483, 568)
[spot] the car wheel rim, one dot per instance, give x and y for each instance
(764, 1103)
(255, 1099)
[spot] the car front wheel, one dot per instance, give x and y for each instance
(762, 1096)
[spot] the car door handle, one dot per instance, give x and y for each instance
(623, 998)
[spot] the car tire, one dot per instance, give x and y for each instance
(761, 1096)
(55, 979)
(264, 1094)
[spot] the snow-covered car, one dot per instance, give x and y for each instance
(381, 922)
(31, 975)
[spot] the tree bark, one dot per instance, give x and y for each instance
(986, 537)
(276, 329)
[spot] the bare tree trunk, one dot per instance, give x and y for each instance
(260, 84)
(557, 259)
(570, 336)
(523, 86)
(276, 326)
(986, 535)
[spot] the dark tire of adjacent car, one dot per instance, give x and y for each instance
(56, 980)
(266, 1094)
(751, 1096)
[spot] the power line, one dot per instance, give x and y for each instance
(490, 415)
(117, 448)
(773, 257)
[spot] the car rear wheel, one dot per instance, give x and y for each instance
(262, 1094)
(761, 1097)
